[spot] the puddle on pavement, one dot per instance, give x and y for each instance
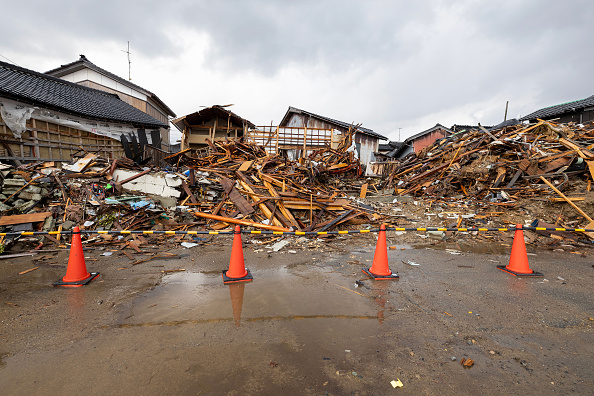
(484, 248)
(360, 251)
(284, 294)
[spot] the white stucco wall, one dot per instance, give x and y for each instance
(91, 75)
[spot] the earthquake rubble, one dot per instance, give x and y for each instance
(474, 178)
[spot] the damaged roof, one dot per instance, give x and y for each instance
(83, 63)
(391, 145)
(560, 109)
(207, 114)
(342, 124)
(42, 90)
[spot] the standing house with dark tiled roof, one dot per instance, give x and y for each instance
(366, 140)
(49, 119)
(579, 111)
(84, 72)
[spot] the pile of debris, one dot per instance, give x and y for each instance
(239, 183)
(500, 165)
(232, 183)
(511, 166)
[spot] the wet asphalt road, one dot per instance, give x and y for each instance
(302, 326)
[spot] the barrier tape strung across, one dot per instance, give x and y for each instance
(296, 233)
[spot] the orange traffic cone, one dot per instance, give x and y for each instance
(76, 273)
(380, 268)
(237, 271)
(518, 261)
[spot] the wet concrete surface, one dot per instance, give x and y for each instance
(309, 323)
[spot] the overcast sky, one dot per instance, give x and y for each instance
(384, 64)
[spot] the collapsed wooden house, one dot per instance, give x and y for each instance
(214, 123)
(43, 118)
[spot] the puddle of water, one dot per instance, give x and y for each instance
(303, 292)
(484, 248)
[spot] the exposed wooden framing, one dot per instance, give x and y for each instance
(36, 152)
(304, 141)
(51, 142)
(291, 138)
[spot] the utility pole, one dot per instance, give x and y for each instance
(399, 133)
(505, 116)
(129, 62)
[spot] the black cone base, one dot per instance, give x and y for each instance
(380, 277)
(83, 282)
(514, 273)
(247, 278)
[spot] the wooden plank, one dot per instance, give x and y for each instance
(286, 212)
(515, 178)
(580, 211)
(500, 176)
(337, 220)
(363, 192)
(573, 199)
(136, 176)
(565, 198)
(240, 222)
(591, 168)
(29, 270)
(81, 164)
(245, 166)
(582, 152)
(240, 202)
(19, 190)
(187, 190)
(24, 218)
(267, 212)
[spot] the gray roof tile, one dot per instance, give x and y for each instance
(39, 89)
(559, 109)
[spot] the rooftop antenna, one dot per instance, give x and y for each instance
(129, 62)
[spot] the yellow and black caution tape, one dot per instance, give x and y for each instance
(296, 233)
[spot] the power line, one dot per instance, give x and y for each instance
(11, 61)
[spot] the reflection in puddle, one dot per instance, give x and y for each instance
(380, 292)
(484, 248)
(236, 291)
(280, 294)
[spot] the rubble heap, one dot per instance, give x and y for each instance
(500, 165)
(239, 183)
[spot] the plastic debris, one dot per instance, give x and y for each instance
(396, 384)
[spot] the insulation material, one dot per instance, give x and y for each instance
(15, 116)
(19, 113)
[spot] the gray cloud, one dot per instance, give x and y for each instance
(387, 64)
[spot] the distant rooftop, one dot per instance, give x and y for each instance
(418, 135)
(343, 124)
(560, 109)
